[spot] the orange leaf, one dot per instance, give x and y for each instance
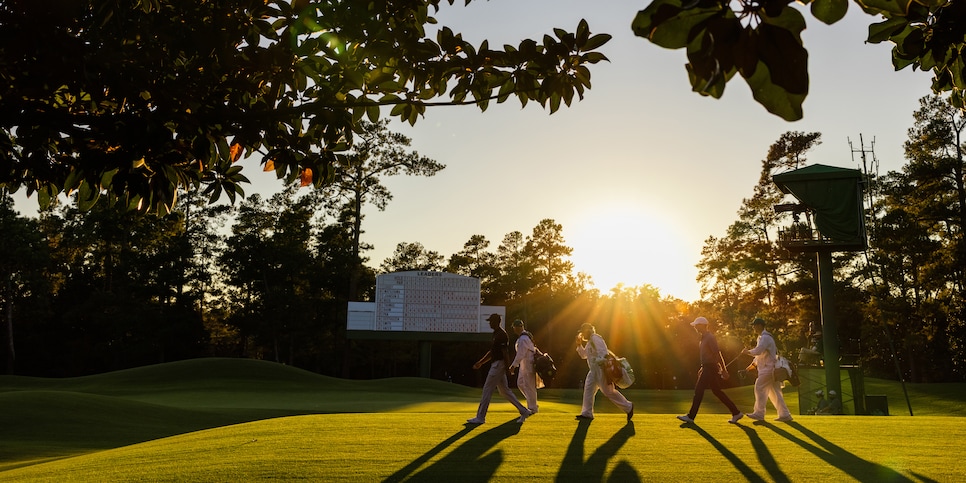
(236, 151)
(269, 165)
(306, 176)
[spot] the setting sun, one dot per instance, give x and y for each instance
(626, 244)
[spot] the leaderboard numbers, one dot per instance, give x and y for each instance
(427, 302)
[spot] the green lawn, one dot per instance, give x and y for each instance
(243, 420)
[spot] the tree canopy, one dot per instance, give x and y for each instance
(134, 101)
(761, 40)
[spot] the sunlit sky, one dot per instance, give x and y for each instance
(642, 171)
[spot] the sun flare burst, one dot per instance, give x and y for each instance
(624, 243)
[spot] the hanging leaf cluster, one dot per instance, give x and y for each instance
(131, 101)
(760, 40)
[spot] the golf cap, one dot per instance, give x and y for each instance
(493, 317)
(518, 323)
(819, 392)
(832, 393)
(758, 321)
(699, 321)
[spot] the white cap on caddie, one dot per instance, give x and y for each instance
(699, 321)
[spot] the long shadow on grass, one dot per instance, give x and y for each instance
(858, 468)
(727, 453)
(923, 478)
(411, 467)
(574, 468)
(467, 463)
(765, 457)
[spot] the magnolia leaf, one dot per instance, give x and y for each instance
(787, 61)
(882, 31)
(665, 23)
(214, 192)
(956, 98)
(357, 113)
(44, 198)
(912, 45)
(372, 112)
(596, 41)
(108, 177)
(789, 19)
(74, 179)
(958, 70)
(87, 197)
(829, 11)
(774, 98)
(305, 177)
(713, 87)
(236, 152)
(583, 32)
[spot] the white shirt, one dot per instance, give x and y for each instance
(525, 351)
(765, 352)
(595, 351)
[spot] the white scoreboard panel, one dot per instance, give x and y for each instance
(427, 302)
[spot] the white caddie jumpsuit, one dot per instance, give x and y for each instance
(527, 379)
(595, 351)
(766, 387)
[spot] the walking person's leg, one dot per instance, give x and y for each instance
(723, 397)
(699, 388)
(615, 396)
(504, 387)
(590, 394)
(761, 395)
(488, 387)
(527, 382)
(778, 400)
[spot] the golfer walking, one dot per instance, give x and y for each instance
(527, 379)
(766, 387)
(496, 378)
(713, 370)
(591, 346)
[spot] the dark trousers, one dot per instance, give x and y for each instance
(709, 379)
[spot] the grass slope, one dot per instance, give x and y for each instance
(242, 420)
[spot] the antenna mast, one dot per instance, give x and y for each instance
(870, 168)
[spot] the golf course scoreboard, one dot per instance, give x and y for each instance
(425, 301)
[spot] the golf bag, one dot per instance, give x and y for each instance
(618, 371)
(544, 366)
(785, 370)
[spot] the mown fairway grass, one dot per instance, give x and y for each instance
(242, 420)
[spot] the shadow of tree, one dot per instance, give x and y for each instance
(858, 468)
(574, 468)
(728, 454)
(468, 463)
(765, 456)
